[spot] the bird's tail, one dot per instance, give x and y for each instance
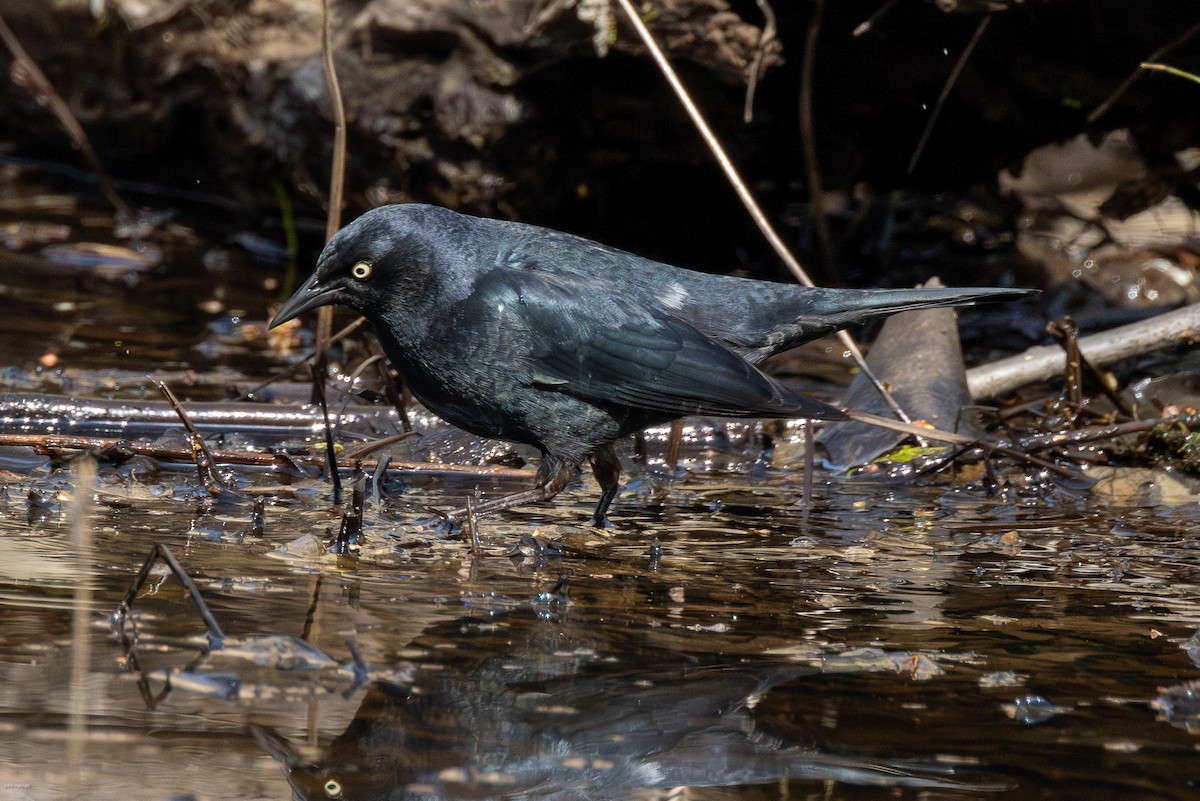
(858, 305)
(810, 313)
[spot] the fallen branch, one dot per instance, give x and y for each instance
(1181, 326)
(112, 445)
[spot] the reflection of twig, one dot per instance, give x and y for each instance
(743, 192)
(81, 618)
(1178, 327)
(25, 72)
(1101, 109)
(760, 54)
(808, 141)
(161, 552)
(951, 79)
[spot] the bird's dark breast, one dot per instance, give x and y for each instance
(492, 397)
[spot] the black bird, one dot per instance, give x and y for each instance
(526, 334)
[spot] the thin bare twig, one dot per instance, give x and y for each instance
(337, 171)
(743, 192)
(337, 177)
(1157, 55)
(25, 72)
(808, 142)
(1081, 436)
(954, 438)
(760, 54)
(330, 447)
(206, 465)
(471, 523)
(302, 361)
(123, 448)
(951, 79)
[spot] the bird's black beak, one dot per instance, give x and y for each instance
(307, 297)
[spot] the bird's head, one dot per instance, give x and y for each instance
(381, 265)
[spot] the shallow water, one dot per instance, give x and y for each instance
(899, 640)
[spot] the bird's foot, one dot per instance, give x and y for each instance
(602, 522)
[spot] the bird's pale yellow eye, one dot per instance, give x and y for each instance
(333, 788)
(361, 271)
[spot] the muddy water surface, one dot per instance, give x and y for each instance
(899, 640)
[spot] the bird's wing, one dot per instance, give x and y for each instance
(609, 349)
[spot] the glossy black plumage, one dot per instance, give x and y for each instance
(526, 334)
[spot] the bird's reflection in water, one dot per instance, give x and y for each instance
(522, 727)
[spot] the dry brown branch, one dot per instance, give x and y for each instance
(1181, 326)
(124, 448)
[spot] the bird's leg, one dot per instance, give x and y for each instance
(553, 474)
(606, 467)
